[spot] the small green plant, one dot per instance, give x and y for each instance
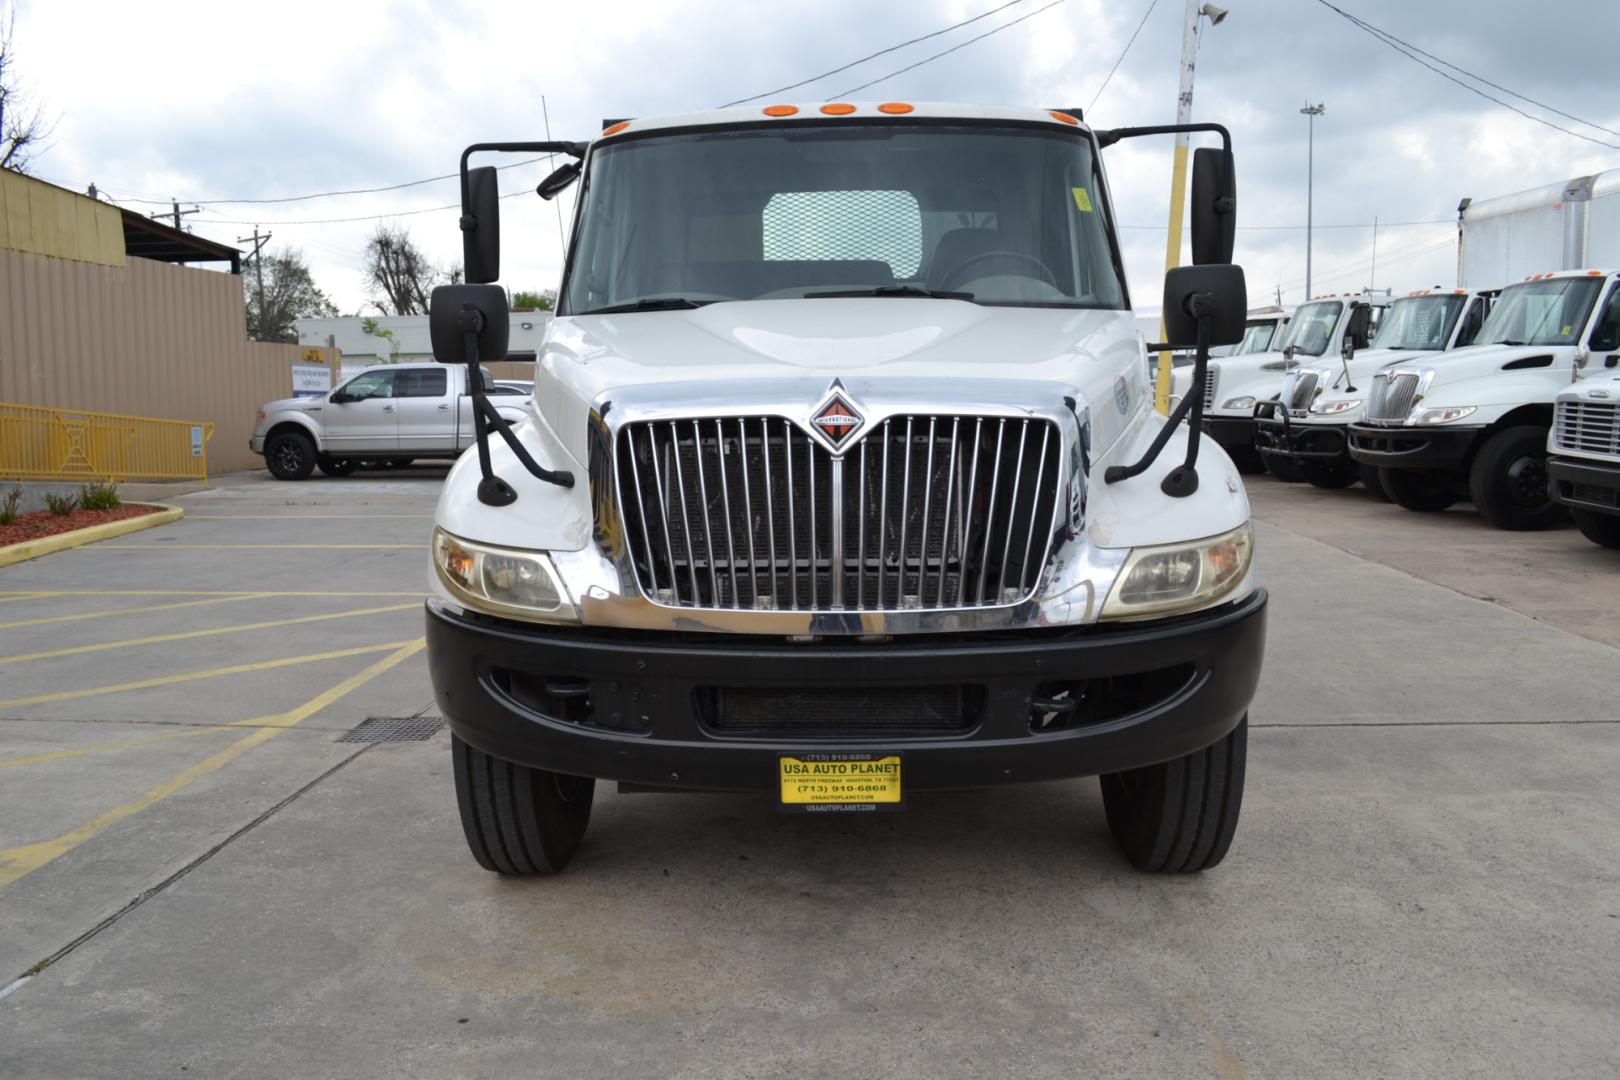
(61, 505)
(8, 506)
(99, 497)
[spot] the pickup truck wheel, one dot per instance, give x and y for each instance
(1418, 489)
(519, 820)
(1285, 469)
(1509, 480)
(1179, 816)
(1372, 479)
(1599, 528)
(400, 462)
(290, 456)
(331, 466)
(1328, 474)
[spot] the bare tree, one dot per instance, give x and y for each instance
(289, 293)
(22, 129)
(400, 275)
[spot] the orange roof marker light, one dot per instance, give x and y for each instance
(1063, 117)
(780, 110)
(838, 108)
(616, 128)
(894, 108)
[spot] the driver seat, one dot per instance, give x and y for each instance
(958, 246)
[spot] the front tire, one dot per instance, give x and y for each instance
(518, 820)
(1333, 474)
(290, 455)
(1599, 528)
(1285, 469)
(331, 466)
(1179, 817)
(1248, 460)
(1373, 480)
(1418, 489)
(1508, 480)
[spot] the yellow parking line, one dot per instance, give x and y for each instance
(128, 744)
(127, 611)
(18, 862)
(200, 592)
(192, 676)
(212, 631)
(9, 596)
(260, 547)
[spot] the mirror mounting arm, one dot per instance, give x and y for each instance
(1183, 479)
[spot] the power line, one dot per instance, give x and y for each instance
(869, 56)
(1121, 60)
(330, 194)
(946, 52)
(364, 217)
(1411, 51)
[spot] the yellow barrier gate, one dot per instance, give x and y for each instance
(69, 444)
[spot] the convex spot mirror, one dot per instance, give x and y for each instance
(1214, 207)
(558, 181)
(456, 309)
(1219, 290)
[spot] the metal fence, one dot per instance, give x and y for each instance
(38, 443)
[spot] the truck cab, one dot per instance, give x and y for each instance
(1584, 446)
(1307, 427)
(389, 413)
(1316, 332)
(1473, 423)
(845, 484)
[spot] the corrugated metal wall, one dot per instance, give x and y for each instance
(44, 219)
(146, 339)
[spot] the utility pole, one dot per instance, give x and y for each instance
(258, 269)
(1190, 28)
(176, 213)
(1311, 112)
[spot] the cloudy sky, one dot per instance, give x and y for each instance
(209, 101)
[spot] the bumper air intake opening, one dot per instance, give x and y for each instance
(1077, 703)
(831, 712)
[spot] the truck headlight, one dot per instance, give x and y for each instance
(1239, 403)
(1443, 415)
(1333, 408)
(501, 581)
(1175, 577)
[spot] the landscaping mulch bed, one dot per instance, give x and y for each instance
(43, 523)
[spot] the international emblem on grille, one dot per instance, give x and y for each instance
(836, 421)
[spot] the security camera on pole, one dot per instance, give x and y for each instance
(1191, 25)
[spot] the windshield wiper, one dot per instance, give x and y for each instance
(1510, 342)
(652, 303)
(891, 290)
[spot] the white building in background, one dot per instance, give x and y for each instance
(362, 348)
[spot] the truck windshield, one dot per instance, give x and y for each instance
(1419, 322)
(996, 215)
(1310, 331)
(1551, 312)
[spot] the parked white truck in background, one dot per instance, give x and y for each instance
(1474, 423)
(845, 483)
(1584, 467)
(1317, 331)
(1307, 428)
(1565, 226)
(391, 413)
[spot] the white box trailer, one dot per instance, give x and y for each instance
(1571, 225)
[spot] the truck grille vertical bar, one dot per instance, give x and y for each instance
(962, 506)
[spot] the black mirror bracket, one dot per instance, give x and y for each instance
(1182, 480)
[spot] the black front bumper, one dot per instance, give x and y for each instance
(638, 708)
(1232, 432)
(1280, 435)
(1585, 485)
(1440, 449)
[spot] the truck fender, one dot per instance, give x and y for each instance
(1136, 513)
(545, 517)
(298, 421)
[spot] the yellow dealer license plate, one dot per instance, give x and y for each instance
(840, 783)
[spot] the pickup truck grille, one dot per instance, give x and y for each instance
(923, 512)
(1591, 427)
(1299, 390)
(1391, 397)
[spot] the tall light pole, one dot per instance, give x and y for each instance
(1191, 25)
(1311, 112)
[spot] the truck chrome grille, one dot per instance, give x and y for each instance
(1591, 427)
(1391, 397)
(1299, 390)
(1211, 377)
(921, 512)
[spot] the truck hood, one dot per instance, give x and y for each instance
(1479, 375)
(729, 351)
(291, 403)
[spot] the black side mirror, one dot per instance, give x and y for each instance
(339, 397)
(481, 225)
(455, 310)
(1218, 291)
(1214, 207)
(558, 181)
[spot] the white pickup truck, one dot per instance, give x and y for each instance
(393, 413)
(844, 483)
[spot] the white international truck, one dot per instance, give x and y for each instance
(844, 484)
(1307, 427)
(1474, 423)
(1316, 333)
(390, 413)
(1584, 466)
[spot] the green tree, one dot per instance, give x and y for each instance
(371, 326)
(544, 300)
(289, 293)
